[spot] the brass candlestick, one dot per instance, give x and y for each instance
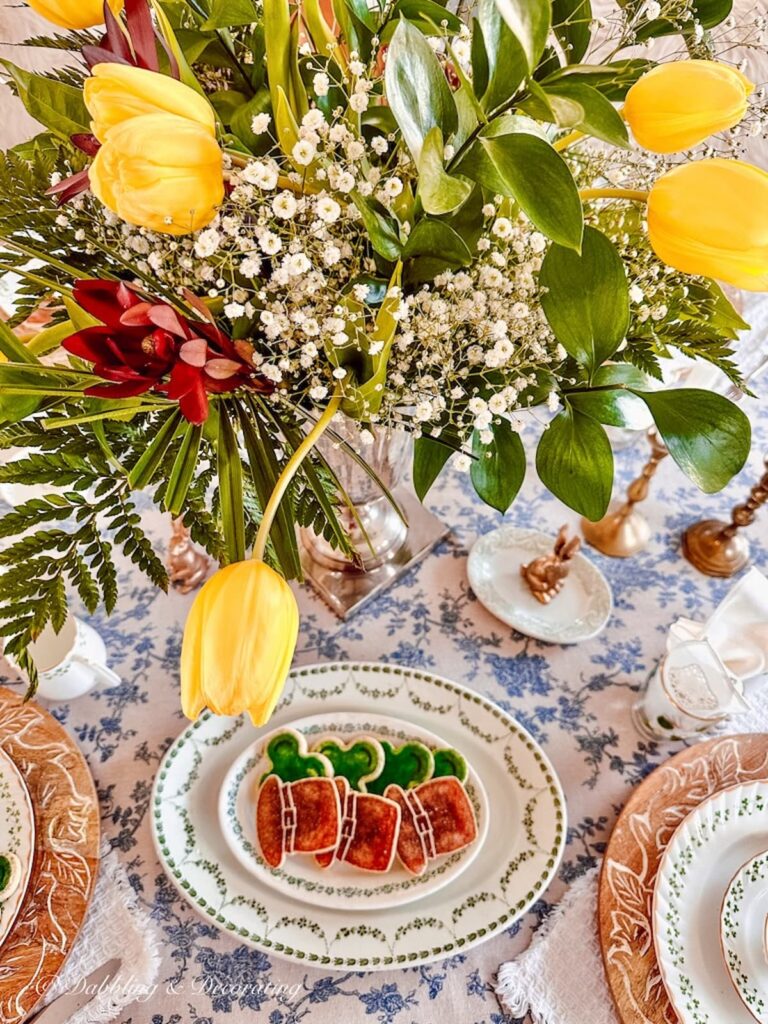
(187, 565)
(624, 531)
(717, 548)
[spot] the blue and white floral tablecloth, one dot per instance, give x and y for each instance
(575, 700)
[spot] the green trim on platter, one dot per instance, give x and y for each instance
(430, 694)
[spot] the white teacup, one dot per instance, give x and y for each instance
(70, 662)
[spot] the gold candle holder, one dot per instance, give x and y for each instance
(624, 531)
(187, 565)
(719, 549)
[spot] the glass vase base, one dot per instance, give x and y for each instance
(347, 590)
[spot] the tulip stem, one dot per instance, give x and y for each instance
(567, 140)
(635, 194)
(289, 471)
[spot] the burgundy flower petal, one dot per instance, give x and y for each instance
(162, 315)
(129, 389)
(106, 300)
(194, 405)
(222, 369)
(184, 378)
(194, 352)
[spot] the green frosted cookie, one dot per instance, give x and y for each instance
(449, 761)
(405, 766)
(10, 875)
(359, 762)
(290, 760)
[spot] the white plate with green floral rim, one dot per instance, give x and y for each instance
(707, 849)
(743, 934)
(579, 612)
(342, 885)
(520, 854)
(17, 842)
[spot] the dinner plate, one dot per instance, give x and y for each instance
(578, 612)
(514, 864)
(743, 934)
(707, 849)
(342, 885)
(17, 841)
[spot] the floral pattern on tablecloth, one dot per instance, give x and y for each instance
(575, 700)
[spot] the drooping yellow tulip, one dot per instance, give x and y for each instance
(116, 92)
(241, 632)
(160, 171)
(74, 14)
(711, 218)
(680, 104)
(239, 641)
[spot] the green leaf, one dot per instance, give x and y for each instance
(380, 228)
(500, 57)
(571, 24)
(529, 21)
(283, 68)
(575, 462)
(498, 469)
(230, 473)
(439, 192)
(151, 458)
(13, 349)
(617, 407)
(183, 470)
(429, 457)
(417, 90)
(80, 319)
(437, 239)
(707, 435)
(612, 80)
(50, 338)
(586, 298)
(244, 113)
(524, 166)
(578, 105)
(426, 15)
(58, 106)
(228, 13)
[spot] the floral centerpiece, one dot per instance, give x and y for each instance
(245, 217)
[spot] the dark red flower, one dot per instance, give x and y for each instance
(146, 345)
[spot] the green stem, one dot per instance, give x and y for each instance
(635, 194)
(289, 471)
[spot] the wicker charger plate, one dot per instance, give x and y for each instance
(642, 832)
(66, 853)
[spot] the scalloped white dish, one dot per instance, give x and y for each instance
(709, 847)
(743, 934)
(579, 612)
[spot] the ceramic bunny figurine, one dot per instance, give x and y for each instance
(546, 575)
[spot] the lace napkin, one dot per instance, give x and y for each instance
(116, 926)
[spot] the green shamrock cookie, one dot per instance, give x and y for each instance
(404, 766)
(450, 762)
(10, 875)
(290, 760)
(359, 762)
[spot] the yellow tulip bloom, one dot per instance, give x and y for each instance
(711, 218)
(680, 104)
(74, 14)
(238, 643)
(160, 171)
(116, 92)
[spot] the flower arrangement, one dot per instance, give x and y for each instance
(245, 217)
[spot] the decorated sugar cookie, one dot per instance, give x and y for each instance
(449, 761)
(406, 766)
(10, 875)
(303, 816)
(358, 762)
(370, 825)
(290, 759)
(325, 859)
(437, 818)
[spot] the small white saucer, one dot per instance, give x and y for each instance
(579, 612)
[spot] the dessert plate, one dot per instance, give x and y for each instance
(579, 612)
(743, 934)
(706, 851)
(341, 886)
(17, 841)
(513, 866)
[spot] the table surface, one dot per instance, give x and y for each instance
(575, 700)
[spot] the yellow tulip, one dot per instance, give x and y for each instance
(711, 218)
(161, 172)
(116, 92)
(74, 14)
(678, 105)
(238, 643)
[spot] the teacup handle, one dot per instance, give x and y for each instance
(104, 674)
